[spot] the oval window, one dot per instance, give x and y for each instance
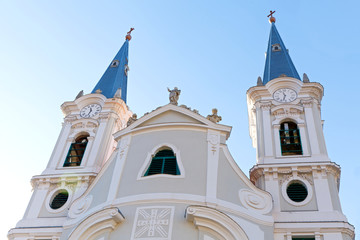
(60, 199)
(297, 191)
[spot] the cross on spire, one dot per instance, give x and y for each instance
(272, 19)
(271, 13)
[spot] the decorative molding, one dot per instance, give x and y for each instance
(103, 220)
(214, 140)
(255, 201)
(153, 223)
(81, 206)
(307, 103)
(265, 106)
(123, 147)
(211, 219)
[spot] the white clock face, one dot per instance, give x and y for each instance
(90, 110)
(285, 95)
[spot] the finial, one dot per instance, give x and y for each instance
(128, 35)
(259, 82)
(306, 78)
(271, 19)
(118, 93)
(214, 117)
(80, 94)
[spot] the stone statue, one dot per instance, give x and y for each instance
(132, 119)
(214, 117)
(174, 95)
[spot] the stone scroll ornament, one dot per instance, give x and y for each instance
(255, 202)
(174, 95)
(80, 206)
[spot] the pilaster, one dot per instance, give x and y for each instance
(322, 190)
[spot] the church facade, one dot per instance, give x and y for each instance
(169, 175)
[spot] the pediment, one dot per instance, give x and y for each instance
(170, 116)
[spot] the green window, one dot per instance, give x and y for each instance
(164, 162)
(76, 152)
(290, 139)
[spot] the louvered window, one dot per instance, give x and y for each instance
(164, 162)
(297, 192)
(76, 152)
(290, 139)
(59, 200)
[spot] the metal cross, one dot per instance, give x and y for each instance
(271, 13)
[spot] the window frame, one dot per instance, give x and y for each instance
(152, 153)
(51, 196)
(68, 163)
(290, 137)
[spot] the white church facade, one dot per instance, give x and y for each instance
(169, 174)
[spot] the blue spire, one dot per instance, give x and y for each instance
(278, 62)
(115, 76)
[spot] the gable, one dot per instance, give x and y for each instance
(170, 117)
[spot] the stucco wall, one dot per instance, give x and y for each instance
(193, 155)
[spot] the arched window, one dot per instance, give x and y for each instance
(290, 139)
(164, 162)
(76, 151)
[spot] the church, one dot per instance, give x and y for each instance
(169, 175)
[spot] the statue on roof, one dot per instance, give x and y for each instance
(214, 117)
(132, 119)
(174, 95)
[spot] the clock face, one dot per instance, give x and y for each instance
(285, 95)
(90, 110)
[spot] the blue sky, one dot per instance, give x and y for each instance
(212, 50)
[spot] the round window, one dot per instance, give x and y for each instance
(297, 191)
(60, 199)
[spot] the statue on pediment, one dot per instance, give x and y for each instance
(174, 95)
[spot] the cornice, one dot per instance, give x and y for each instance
(317, 169)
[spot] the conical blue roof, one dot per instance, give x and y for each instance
(278, 62)
(115, 76)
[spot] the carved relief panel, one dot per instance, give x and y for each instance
(153, 223)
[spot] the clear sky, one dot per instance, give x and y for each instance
(212, 50)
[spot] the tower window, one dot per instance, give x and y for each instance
(114, 63)
(164, 162)
(297, 191)
(276, 47)
(60, 199)
(76, 152)
(290, 139)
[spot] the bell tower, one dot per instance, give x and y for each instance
(84, 144)
(292, 162)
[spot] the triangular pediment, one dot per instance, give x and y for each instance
(170, 116)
